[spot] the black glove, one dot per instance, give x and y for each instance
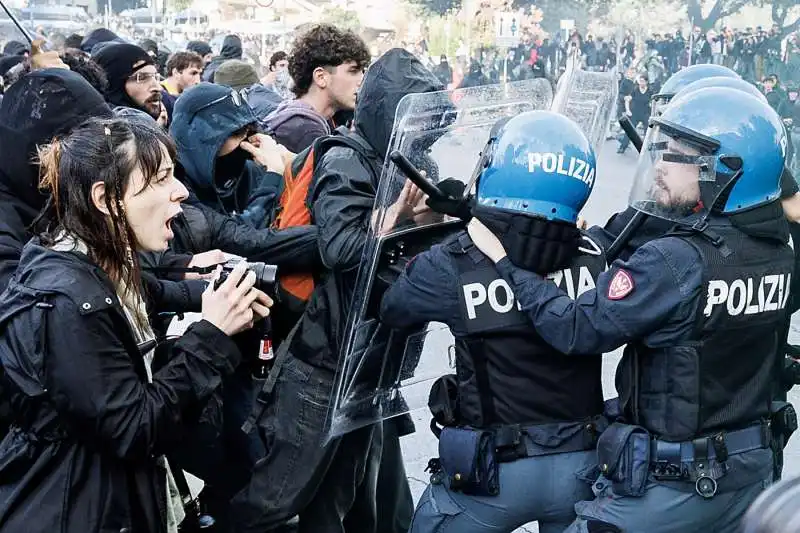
(455, 204)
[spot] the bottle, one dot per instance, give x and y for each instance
(266, 356)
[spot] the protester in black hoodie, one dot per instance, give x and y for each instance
(326, 484)
(231, 49)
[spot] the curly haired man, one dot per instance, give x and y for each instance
(327, 65)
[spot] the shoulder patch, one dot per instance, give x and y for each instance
(621, 285)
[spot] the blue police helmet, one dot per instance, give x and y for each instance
(541, 164)
(684, 77)
(745, 137)
(721, 81)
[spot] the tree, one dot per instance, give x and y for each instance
(341, 18)
(781, 10)
(719, 10)
(438, 7)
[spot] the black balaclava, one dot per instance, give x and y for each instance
(229, 165)
(532, 243)
(118, 60)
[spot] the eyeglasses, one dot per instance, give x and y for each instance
(146, 77)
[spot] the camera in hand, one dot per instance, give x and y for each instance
(266, 275)
(266, 278)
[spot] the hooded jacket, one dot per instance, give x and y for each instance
(296, 125)
(118, 62)
(44, 104)
(234, 222)
(231, 49)
(40, 106)
(82, 455)
(204, 117)
(342, 199)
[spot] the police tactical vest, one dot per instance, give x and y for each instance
(506, 373)
(721, 377)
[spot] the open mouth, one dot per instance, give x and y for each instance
(168, 223)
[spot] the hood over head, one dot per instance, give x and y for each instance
(395, 74)
(202, 120)
(16, 48)
(117, 61)
(100, 35)
(231, 48)
(200, 47)
(41, 105)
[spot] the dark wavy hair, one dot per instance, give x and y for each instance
(324, 46)
(107, 151)
(82, 63)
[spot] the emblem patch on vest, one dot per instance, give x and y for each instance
(621, 285)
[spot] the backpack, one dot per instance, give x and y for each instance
(293, 208)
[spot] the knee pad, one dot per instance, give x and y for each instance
(597, 526)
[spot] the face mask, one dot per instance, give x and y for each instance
(229, 168)
(532, 243)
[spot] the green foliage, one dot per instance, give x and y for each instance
(341, 18)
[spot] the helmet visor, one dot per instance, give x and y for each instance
(675, 175)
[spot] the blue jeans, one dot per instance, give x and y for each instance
(543, 489)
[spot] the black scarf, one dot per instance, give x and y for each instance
(532, 243)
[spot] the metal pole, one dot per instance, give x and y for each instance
(17, 23)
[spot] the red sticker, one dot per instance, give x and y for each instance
(621, 285)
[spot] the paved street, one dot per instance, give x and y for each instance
(615, 174)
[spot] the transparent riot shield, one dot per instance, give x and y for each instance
(382, 372)
(588, 98)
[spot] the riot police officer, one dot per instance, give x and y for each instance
(699, 310)
(523, 418)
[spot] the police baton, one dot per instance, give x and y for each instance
(416, 177)
(639, 217)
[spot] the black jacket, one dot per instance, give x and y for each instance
(342, 198)
(200, 229)
(88, 427)
(40, 106)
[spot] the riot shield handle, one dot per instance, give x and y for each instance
(413, 173)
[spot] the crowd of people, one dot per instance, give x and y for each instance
(137, 186)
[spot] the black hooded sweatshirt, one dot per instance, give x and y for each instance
(342, 199)
(42, 105)
(38, 107)
(231, 49)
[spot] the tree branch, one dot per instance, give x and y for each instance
(734, 7)
(694, 11)
(786, 30)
